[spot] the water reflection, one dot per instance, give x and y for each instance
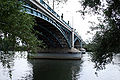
(15, 67)
(116, 60)
(56, 69)
(6, 61)
(18, 67)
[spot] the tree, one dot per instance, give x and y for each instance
(107, 39)
(16, 27)
(55, 2)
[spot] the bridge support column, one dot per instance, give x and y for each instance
(58, 53)
(81, 44)
(72, 41)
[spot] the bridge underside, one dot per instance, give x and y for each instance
(77, 44)
(50, 35)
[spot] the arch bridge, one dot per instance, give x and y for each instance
(54, 31)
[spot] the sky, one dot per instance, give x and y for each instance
(69, 10)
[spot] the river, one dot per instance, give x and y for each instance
(21, 68)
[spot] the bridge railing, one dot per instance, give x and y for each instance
(66, 24)
(51, 10)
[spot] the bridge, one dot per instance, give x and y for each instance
(58, 35)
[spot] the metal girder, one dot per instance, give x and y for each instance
(80, 41)
(50, 33)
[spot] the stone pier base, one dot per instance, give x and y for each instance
(56, 54)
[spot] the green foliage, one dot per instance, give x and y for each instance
(91, 3)
(88, 47)
(16, 27)
(106, 41)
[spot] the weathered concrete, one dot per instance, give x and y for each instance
(59, 50)
(56, 54)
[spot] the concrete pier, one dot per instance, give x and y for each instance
(57, 54)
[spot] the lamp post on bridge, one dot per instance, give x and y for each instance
(53, 4)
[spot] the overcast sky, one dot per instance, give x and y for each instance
(81, 25)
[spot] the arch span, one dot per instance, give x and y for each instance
(53, 33)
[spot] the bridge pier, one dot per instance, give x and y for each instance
(72, 54)
(72, 41)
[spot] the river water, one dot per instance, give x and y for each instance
(21, 68)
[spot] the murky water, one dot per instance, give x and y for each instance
(21, 68)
